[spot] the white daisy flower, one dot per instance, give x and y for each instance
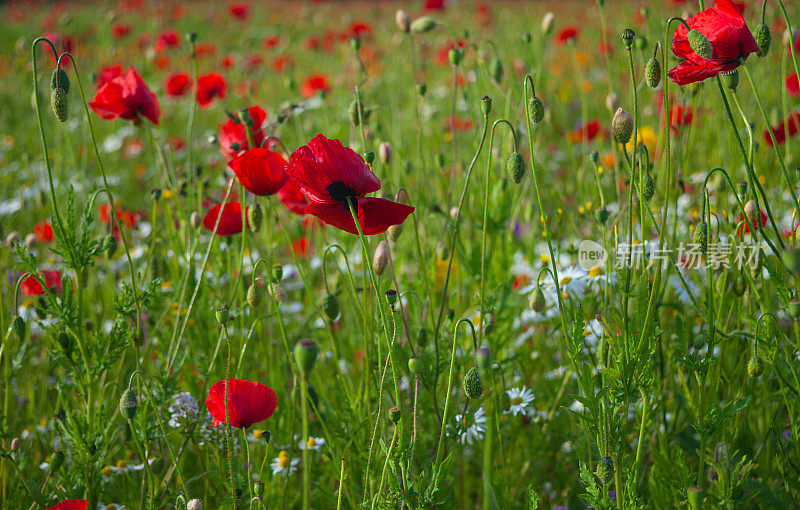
(471, 428)
(521, 399)
(283, 464)
(313, 443)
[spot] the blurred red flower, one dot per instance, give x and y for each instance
(292, 197)
(120, 30)
(30, 286)
(360, 29)
(168, 40)
(744, 228)
(260, 171)
(108, 73)
(240, 10)
(792, 85)
(127, 97)
(209, 87)
(792, 124)
(282, 62)
(248, 402)
(315, 83)
(680, 115)
(177, 84)
(271, 41)
(434, 5)
(43, 232)
(232, 132)
(70, 504)
(568, 34)
(231, 221)
(586, 132)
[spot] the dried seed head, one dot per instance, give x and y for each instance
(380, 259)
(622, 126)
(486, 105)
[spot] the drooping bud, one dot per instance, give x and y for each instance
(380, 259)
(751, 212)
(649, 188)
(195, 220)
(536, 108)
(730, 79)
(422, 25)
(700, 43)
(701, 236)
(547, 22)
(59, 80)
(395, 231)
(612, 101)
(605, 470)
(279, 292)
(516, 166)
(640, 43)
(472, 385)
(652, 73)
(496, 70)
(128, 403)
(110, 245)
(59, 101)
(255, 217)
(395, 414)
(622, 126)
(18, 327)
(627, 36)
(385, 152)
(403, 21)
(369, 157)
(222, 315)
(486, 105)
(330, 305)
(254, 295)
(763, 38)
(305, 354)
(12, 238)
(537, 301)
(755, 367)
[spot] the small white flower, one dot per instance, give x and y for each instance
(521, 399)
(283, 464)
(313, 443)
(471, 428)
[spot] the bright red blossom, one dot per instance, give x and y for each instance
(787, 129)
(248, 402)
(177, 84)
(43, 232)
(30, 286)
(315, 83)
(231, 221)
(107, 74)
(793, 85)
(126, 97)
(209, 87)
(568, 34)
(231, 133)
(239, 11)
(292, 197)
(70, 504)
(168, 40)
(260, 171)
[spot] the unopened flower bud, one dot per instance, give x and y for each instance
(755, 367)
(422, 25)
(18, 327)
(258, 488)
(547, 22)
(440, 161)
(277, 272)
(403, 21)
(455, 56)
(414, 365)
(516, 166)
(30, 240)
(64, 339)
(385, 152)
(601, 215)
(605, 470)
(353, 112)
(15, 444)
(649, 188)
(422, 89)
(483, 359)
(395, 231)
(622, 126)
(751, 211)
(652, 73)
(255, 217)
(700, 43)
(110, 245)
(763, 38)
(195, 220)
(128, 403)
(254, 295)
(330, 305)
(380, 259)
(355, 43)
(59, 101)
(701, 236)
(222, 315)
(11, 239)
(278, 292)
(536, 108)
(472, 385)
(305, 354)
(612, 101)
(536, 300)
(59, 80)
(369, 157)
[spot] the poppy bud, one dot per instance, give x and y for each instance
(755, 367)
(486, 105)
(537, 301)
(253, 296)
(414, 365)
(305, 354)
(56, 461)
(258, 488)
(18, 327)
(369, 157)
(536, 108)
(652, 73)
(422, 25)
(751, 211)
(649, 188)
(516, 166)
(194, 504)
(612, 101)
(701, 236)
(730, 79)
(473, 387)
(380, 259)
(627, 37)
(605, 470)
(395, 231)
(622, 126)
(385, 152)
(422, 89)
(700, 44)
(277, 272)
(244, 116)
(11, 239)
(403, 21)
(59, 80)
(391, 297)
(279, 292)
(455, 56)
(15, 444)
(484, 359)
(547, 22)
(496, 70)
(395, 414)
(255, 217)
(110, 245)
(222, 315)
(330, 305)
(195, 220)
(695, 496)
(527, 37)
(763, 38)
(128, 404)
(59, 101)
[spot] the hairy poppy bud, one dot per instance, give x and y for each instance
(486, 105)
(496, 70)
(385, 152)
(56, 461)
(395, 231)
(652, 73)
(701, 236)
(700, 44)
(422, 25)
(18, 327)
(355, 43)
(516, 166)
(15, 444)
(11, 239)
(422, 337)
(640, 43)
(380, 259)
(277, 272)
(751, 211)
(255, 217)
(391, 296)
(763, 38)
(258, 488)
(305, 354)
(395, 414)
(195, 220)
(649, 188)
(536, 300)
(222, 315)
(110, 245)
(128, 403)
(755, 367)
(622, 126)
(403, 21)
(536, 108)
(194, 504)
(473, 387)
(483, 358)
(547, 22)
(730, 79)
(279, 292)
(253, 295)
(369, 157)
(605, 470)
(330, 305)
(440, 161)
(59, 80)
(59, 101)
(628, 36)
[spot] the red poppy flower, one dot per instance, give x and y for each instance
(239, 11)
(568, 34)
(209, 87)
(30, 286)
(235, 133)
(744, 228)
(680, 115)
(784, 130)
(127, 97)
(248, 402)
(271, 41)
(443, 54)
(731, 40)
(434, 5)
(205, 48)
(231, 221)
(168, 40)
(70, 504)
(260, 171)
(793, 85)
(332, 177)
(43, 232)
(315, 83)
(360, 29)
(107, 74)
(292, 197)
(587, 132)
(177, 84)
(227, 61)
(120, 30)
(281, 63)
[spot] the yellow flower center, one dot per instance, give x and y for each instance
(596, 271)
(312, 442)
(566, 280)
(106, 470)
(283, 459)
(121, 464)
(258, 434)
(516, 401)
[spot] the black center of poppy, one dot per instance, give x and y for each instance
(340, 191)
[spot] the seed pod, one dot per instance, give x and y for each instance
(128, 403)
(369, 157)
(59, 80)
(305, 354)
(627, 36)
(422, 25)
(536, 300)
(414, 365)
(110, 245)
(496, 70)
(536, 108)
(254, 295)
(277, 272)
(751, 212)
(403, 21)
(763, 38)
(700, 44)
(279, 292)
(255, 217)
(380, 259)
(605, 470)
(486, 105)
(385, 152)
(472, 385)
(649, 188)
(258, 488)
(59, 101)
(516, 166)
(395, 414)
(222, 315)
(622, 126)
(391, 297)
(652, 73)
(18, 327)
(755, 367)
(730, 79)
